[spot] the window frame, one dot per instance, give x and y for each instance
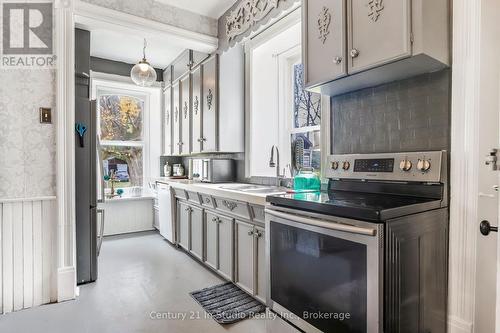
(108, 87)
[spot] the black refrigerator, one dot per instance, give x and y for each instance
(85, 164)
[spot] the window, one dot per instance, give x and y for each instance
(122, 134)
(281, 112)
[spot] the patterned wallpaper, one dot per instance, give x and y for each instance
(27, 148)
(163, 13)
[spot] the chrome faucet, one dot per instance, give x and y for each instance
(276, 165)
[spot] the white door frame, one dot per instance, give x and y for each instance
(64, 18)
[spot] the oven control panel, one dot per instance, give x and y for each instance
(412, 166)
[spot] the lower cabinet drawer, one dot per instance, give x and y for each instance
(237, 208)
(258, 213)
(180, 193)
(207, 201)
(193, 197)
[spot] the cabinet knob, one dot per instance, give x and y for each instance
(250, 233)
(354, 53)
(337, 60)
(258, 234)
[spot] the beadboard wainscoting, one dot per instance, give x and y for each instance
(28, 253)
(126, 215)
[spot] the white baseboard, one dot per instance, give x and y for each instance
(66, 283)
(458, 325)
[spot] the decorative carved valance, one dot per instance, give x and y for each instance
(247, 14)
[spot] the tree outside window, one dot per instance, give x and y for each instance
(121, 133)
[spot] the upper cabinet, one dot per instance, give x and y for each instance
(176, 121)
(354, 44)
(324, 43)
(197, 109)
(181, 65)
(210, 126)
(185, 115)
(206, 109)
(379, 32)
(167, 100)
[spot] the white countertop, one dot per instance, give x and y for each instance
(218, 190)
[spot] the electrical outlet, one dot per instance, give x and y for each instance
(45, 115)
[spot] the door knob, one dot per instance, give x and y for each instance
(485, 228)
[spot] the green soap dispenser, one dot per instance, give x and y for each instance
(306, 180)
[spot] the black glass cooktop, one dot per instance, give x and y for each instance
(356, 205)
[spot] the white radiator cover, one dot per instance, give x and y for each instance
(28, 253)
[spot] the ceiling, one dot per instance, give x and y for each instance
(210, 8)
(125, 47)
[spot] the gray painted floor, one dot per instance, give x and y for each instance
(139, 274)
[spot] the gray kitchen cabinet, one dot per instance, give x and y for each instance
(211, 240)
(210, 125)
(196, 221)
(379, 33)
(260, 264)
(183, 223)
(167, 75)
(250, 259)
(167, 100)
(176, 121)
(197, 110)
(349, 45)
(197, 58)
(219, 243)
(324, 41)
(244, 256)
(181, 65)
(185, 114)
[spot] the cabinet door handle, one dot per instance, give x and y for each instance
(354, 53)
(337, 60)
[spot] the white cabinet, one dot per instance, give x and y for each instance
(219, 243)
(183, 223)
(250, 259)
(378, 33)
(196, 219)
(167, 101)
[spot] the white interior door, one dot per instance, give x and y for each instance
(487, 275)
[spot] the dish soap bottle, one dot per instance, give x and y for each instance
(306, 179)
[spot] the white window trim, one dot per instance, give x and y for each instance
(106, 86)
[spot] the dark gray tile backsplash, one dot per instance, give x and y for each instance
(407, 115)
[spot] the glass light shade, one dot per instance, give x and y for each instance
(143, 74)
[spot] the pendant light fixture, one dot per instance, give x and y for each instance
(143, 74)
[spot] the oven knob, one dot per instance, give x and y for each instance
(335, 165)
(423, 165)
(346, 165)
(405, 165)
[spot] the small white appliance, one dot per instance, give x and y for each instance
(166, 211)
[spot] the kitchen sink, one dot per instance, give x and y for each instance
(249, 188)
(241, 187)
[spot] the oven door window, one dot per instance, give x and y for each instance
(320, 278)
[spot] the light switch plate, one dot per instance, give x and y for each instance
(45, 115)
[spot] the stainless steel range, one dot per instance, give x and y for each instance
(367, 255)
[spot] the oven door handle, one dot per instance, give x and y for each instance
(324, 224)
